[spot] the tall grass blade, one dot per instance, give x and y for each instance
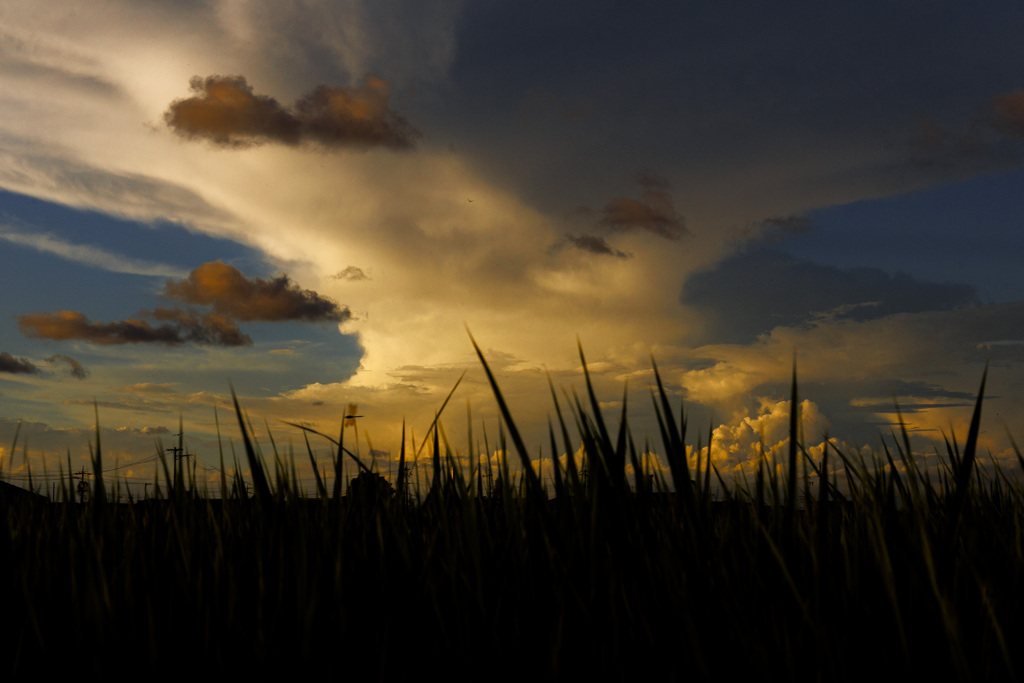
(533, 485)
(963, 474)
(791, 495)
(99, 495)
(672, 439)
(259, 478)
(401, 483)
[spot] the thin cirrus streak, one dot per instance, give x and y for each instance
(89, 255)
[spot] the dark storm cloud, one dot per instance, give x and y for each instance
(351, 273)
(595, 245)
(74, 368)
(184, 327)
(224, 288)
(226, 111)
(17, 366)
(707, 90)
(652, 212)
(753, 292)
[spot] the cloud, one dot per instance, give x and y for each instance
(184, 327)
(27, 60)
(230, 293)
(55, 176)
(351, 273)
(216, 284)
(87, 255)
(1008, 109)
(778, 227)
(595, 245)
(17, 366)
(774, 229)
(203, 328)
(226, 111)
(13, 365)
(742, 442)
(653, 212)
(152, 388)
(936, 354)
(336, 116)
(754, 291)
(75, 369)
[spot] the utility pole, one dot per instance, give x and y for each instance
(178, 452)
(82, 488)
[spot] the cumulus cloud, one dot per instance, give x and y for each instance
(226, 111)
(230, 293)
(743, 441)
(183, 327)
(203, 328)
(595, 245)
(652, 212)
(351, 273)
(74, 368)
(16, 366)
(222, 287)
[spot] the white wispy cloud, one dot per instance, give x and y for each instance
(88, 255)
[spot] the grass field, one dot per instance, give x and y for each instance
(894, 573)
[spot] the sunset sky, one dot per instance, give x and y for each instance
(312, 202)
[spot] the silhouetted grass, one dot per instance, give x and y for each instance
(895, 573)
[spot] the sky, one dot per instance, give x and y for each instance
(317, 204)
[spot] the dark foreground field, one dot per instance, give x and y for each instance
(892, 574)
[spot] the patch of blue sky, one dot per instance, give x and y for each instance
(299, 354)
(160, 242)
(968, 232)
(267, 368)
(53, 257)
